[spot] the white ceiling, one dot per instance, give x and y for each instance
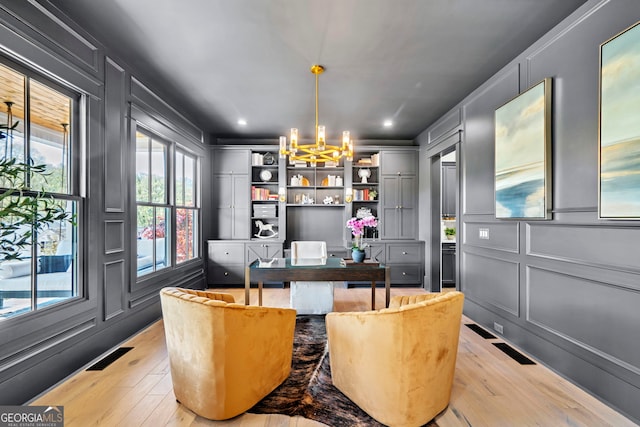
(405, 60)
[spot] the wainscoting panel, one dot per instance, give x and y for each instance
(115, 145)
(477, 184)
(114, 289)
(595, 245)
(597, 316)
(501, 236)
(113, 236)
(491, 281)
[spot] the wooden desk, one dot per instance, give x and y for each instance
(283, 270)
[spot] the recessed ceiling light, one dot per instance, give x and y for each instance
(387, 123)
(242, 122)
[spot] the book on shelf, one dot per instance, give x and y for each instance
(258, 193)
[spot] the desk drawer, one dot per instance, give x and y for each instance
(225, 252)
(403, 253)
(406, 273)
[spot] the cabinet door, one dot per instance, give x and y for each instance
(407, 207)
(241, 200)
(399, 163)
(448, 265)
(263, 250)
(231, 161)
(390, 215)
(223, 205)
(376, 252)
(231, 206)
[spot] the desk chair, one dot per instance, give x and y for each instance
(310, 297)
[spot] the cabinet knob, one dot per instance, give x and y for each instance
(398, 173)
(404, 253)
(226, 253)
(226, 273)
(404, 274)
(400, 206)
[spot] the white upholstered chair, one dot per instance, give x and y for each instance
(310, 297)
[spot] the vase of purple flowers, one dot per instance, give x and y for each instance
(357, 226)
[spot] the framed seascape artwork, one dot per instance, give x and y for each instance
(523, 155)
(619, 183)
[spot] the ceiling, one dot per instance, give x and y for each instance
(408, 61)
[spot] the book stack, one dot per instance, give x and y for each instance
(261, 194)
(257, 159)
(359, 195)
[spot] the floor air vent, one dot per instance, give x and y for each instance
(514, 354)
(480, 331)
(109, 359)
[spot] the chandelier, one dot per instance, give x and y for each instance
(320, 151)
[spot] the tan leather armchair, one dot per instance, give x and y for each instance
(224, 357)
(397, 364)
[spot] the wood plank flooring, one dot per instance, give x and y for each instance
(490, 388)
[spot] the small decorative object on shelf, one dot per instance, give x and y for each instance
(372, 194)
(328, 200)
(268, 159)
(364, 175)
(357, 226)
(266, 228)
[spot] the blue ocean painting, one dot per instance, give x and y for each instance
(620, 126)
(520, 156)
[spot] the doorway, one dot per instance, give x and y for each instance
(448, 218)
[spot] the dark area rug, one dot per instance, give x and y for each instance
(308, 391)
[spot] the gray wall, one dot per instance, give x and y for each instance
(40, 349)
(566, 290)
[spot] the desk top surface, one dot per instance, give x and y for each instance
(309, 263)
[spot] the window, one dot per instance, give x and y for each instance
(153, 210)
(38, 258)
(187, 213)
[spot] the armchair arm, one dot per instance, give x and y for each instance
(401, 300)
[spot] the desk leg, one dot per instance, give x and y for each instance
(260, 293)
(373, 295)
(247, 285)
(387, 286)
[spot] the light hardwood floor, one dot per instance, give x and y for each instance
(490, 388)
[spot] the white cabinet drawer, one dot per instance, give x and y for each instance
(225, 253)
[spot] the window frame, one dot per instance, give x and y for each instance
(74, 188)
(166, 204)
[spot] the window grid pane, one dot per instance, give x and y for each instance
(158, 172)
(143, 176)
(49, 119)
